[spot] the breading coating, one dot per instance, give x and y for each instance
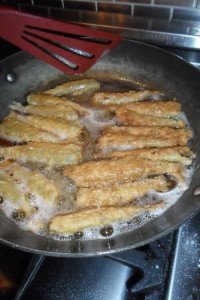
(158, 132)
(65, 130)
(76, 87)
(15, 131)
(119, 194)
(132, 118)
(36, 183)
(21, 187)
(121, 141)
(163, 109)
(47, 99)
(107, 98)
(95, 217)
(108, 171)
(182, 155)
(51, 154)
(55, 111)
(9, 189)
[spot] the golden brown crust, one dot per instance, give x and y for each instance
(163, 109)
(55, 111)
(182, 155)
(51, 154)
(122, 141)
(15, 131)
(119, 194)
(47, 99)
(105, 172)
(75, 87)
(131, 118)
(107, 98)
(158, 132)
(65, 130)
(95, 217)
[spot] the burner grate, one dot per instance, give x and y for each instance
(150, 265)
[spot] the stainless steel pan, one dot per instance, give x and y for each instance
(130, 62)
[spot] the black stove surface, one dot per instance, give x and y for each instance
(13, 264)
(168, 268)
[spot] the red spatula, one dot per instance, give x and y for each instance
(68, 47)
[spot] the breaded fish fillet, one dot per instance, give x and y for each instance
(9, 189)
(158, 132)
(122, 141)
(76, 87)
(107, 98)
(134, 119)
(65, 130)
(34, 183)
(11, 193)
(108, 171)
(17, 132)
(165, 109)
(55, 111)
(47, 99)
(118, 194)
(21, 189)
(182, 155)
(95, 217)
(51, 154)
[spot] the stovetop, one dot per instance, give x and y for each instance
(168, 268)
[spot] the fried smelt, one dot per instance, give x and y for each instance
(182, 155)
(36, 184)
(47, 99)
(9, 189)
(95, 217)
(105, 172)
(15, 131)
(107, 98)
(76, 87)
(122, 141)
(51, 154)
(131, 118)
(118, 194)
(164, 109)
(21, 189)
(65, 130)
(55, 111)
(158, 132)
(11, 193)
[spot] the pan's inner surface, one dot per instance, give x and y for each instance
(130, 63)
(94, 123)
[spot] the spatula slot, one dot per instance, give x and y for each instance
(57, 44)
(88, 38)
(52, 54)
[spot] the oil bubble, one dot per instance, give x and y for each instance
(106, 231)
(78, 235)
(18, 215)
(1, 200)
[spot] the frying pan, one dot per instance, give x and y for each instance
(129, 62)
